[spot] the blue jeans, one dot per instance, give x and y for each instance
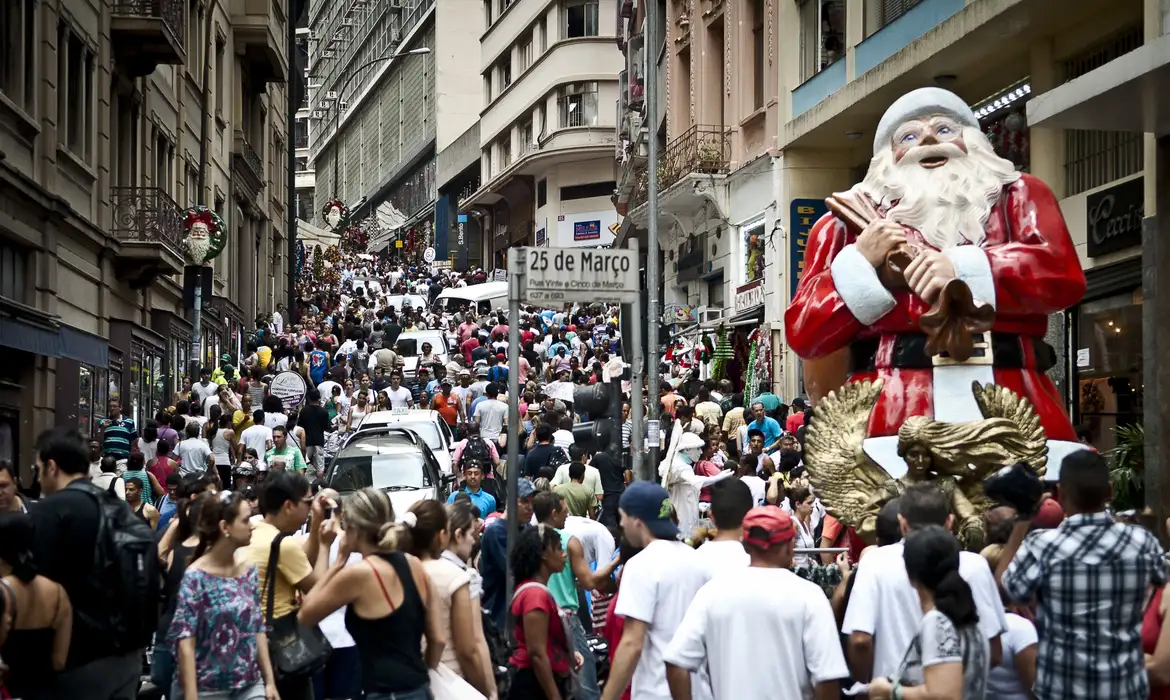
(587, 676)
(423, 693)
(163, 667)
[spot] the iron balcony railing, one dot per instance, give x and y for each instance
(169, 11)
(699, 149)
(146, 215)
(251, 157)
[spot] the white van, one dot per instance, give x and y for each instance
(486, 297)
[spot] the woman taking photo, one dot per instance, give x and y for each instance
(38, 642)
(218, 627)
(543, 659)
(466, 652)
(948, 659)
(390, 607)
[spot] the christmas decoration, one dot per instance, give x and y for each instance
(336, 214)
(318, 262)
(723, 353)
(355, 239)
(205, 236)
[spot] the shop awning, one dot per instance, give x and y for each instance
(28, 329)
(84, 347)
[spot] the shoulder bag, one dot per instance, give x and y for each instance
(296, 650)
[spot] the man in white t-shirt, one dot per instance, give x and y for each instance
(400, 396)
(194, 453)
(747, 475)
(257, 436)
(658, 585)
(884, 610)
(731, 499)
(491, 415)
(774, 615)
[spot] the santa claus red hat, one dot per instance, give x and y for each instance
(920, 103)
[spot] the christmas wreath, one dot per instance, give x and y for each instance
(343, 213)
(216, 234)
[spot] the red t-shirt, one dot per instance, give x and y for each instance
(533, 599)
(467, 346)
(614, 625)
(446, 407)
(794, 423)
(161, 468)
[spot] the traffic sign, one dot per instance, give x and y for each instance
(429, 255)
(562, 275)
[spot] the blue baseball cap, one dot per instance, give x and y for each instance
(650, 503)
(524, 488)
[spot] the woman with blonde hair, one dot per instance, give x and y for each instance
(390, 604)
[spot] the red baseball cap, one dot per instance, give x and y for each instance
(776, 524)
(1049, 515)
(501, 356)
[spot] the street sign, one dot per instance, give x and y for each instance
(429, 255)
(290, 387)
(560, 275)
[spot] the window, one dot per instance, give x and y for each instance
(543, 34)
(580, 18)
(163, 176)
(302, 164)
(525, 53)
(194, 196)
(893, 9)
(1109, 366)
(75, 101)
(578, 104)
(505, 152)
(195, 40)
(593, 189)
(758, 40)
(13, 266)
(526, 144)
(822, 35)
(542, 193)
(505, 73)
(17, 60)
(222, 95)
(753, 251)
(487, 11)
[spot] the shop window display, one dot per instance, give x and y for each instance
(1109, 367)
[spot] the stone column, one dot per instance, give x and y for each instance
(1156, 338)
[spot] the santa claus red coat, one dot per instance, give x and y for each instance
(1026, 263)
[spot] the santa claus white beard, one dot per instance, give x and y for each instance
(197, 249)
(949, 204)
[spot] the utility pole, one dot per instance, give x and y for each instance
(293, 98)
(637, 377)
(653, 303)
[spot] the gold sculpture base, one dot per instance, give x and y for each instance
(957, 456)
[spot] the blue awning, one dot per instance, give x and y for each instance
(85, 347)
(22, 335)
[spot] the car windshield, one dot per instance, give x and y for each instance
(381, 462)
(412, 346)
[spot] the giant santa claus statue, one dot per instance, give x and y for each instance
(936, 189)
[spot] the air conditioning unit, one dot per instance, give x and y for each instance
(318, 114)
(709, 315)
(342, 105)
(314, 35)
(331, 95)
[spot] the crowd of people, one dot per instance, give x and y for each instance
(211, 543)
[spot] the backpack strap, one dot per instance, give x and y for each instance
(270, 575)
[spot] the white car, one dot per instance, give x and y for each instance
(423, 422)
(401, 301)
(393, 460)
(409, 347)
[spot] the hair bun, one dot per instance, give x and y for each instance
(384, 529)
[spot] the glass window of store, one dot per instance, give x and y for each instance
(145, 383)
(1109, 366)
(753, 250)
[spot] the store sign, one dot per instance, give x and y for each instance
(461, 243)
(678, 313)
(290, 387)
(587, 230)
(749, 296)
(540, 238)
(805, 213)
(1114, 217)
(499, 275)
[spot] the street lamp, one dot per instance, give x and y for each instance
(337, 107)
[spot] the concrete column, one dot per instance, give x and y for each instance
(1155, 338)
(1047, 145)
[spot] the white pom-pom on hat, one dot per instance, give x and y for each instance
(919, 103)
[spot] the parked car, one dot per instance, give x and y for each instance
(425, 423)
(392, 459)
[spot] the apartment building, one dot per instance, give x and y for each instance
(719, 109)
(306, 180)
(390, 89)
(545, 135)
(114, 117)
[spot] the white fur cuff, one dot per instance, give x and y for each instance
(973, 267)
(858, 284)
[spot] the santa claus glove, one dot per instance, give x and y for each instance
(1018, 486)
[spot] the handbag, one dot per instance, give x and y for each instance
(296, 650)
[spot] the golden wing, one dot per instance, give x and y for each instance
(845, 479)
(1000, 402)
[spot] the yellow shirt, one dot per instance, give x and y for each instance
(292, 567)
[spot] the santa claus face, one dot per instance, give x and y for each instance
(940, 178)
(198, 243)
(334, 216)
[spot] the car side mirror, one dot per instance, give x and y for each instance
(449, 479)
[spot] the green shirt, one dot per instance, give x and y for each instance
(563, 585)
(293, 455)
(578, 497)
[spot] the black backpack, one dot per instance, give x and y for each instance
(126, 571)
(477, 450)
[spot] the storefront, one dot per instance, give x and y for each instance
(82, 380)
(177, 332)
(140, 377)
(1107, 325)
(234, 325)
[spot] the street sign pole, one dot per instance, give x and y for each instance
(637, 374)
(516, 263)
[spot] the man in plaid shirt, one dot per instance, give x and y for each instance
(1091, 579)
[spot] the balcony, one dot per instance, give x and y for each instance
(246, 164)
(258, 27)
(146, 34)
(700, 150)
(149, 227)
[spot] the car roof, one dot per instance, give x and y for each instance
(414, 414)
(406, 437)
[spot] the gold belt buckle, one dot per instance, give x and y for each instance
(981, 355)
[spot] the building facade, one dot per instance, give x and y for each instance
(114, 117)
(545, 135)
(719, 224)
(387, 90)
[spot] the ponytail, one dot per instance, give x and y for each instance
(952, 597)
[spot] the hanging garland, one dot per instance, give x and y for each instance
(751, 378)
(355, 239)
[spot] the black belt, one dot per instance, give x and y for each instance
(910, 353)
